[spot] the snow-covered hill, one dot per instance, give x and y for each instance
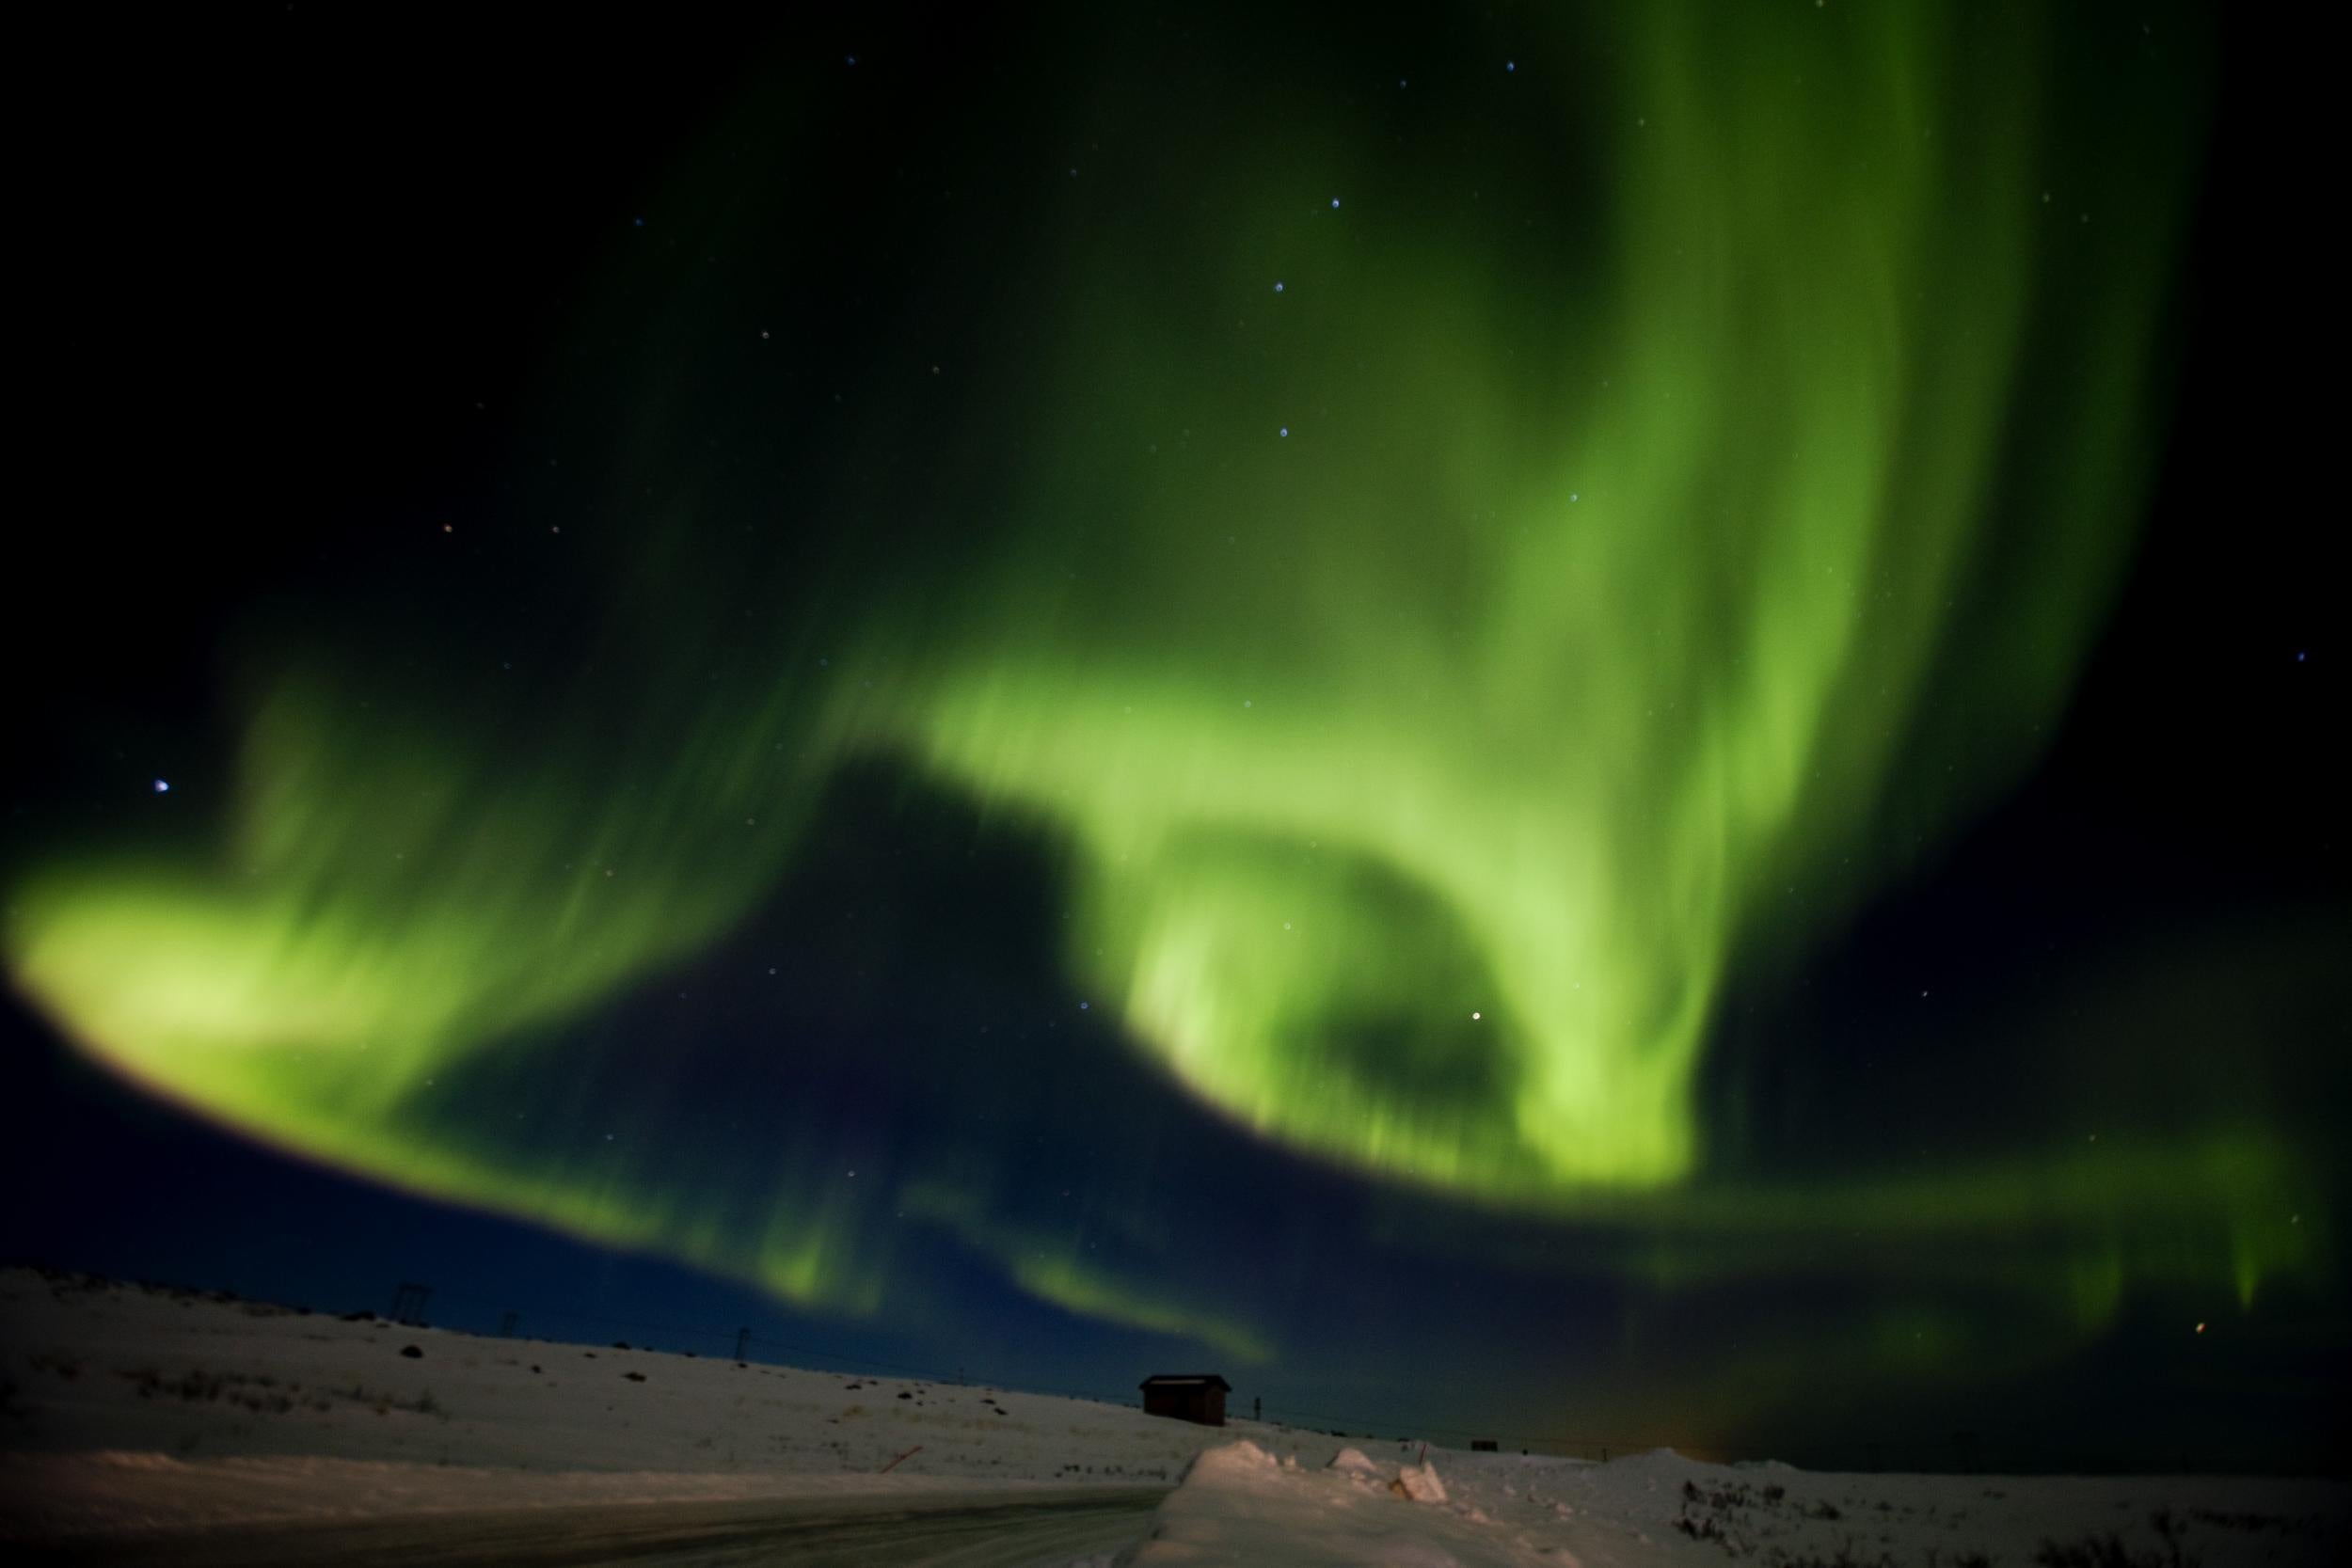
(124, 1407)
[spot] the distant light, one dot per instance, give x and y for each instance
(1473, 1016)
(1083, 1005)
(1278, 288)
(163, 787)
(1284, 431)
(2200, 1328)
(1510, 65)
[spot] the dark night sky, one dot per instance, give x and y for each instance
(495, 445)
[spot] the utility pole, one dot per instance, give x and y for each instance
(506, 1324)
(408, 1303)
(742, 1339)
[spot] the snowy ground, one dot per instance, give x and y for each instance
(128, 1409)
(1243, 1506)
(122, 1406)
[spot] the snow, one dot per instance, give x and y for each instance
(126, 1407)
(1241, 1505)
(1241, 1508)
(1419, 1483)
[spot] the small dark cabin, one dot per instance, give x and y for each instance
(1188, 1397)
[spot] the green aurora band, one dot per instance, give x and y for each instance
(1444, 677)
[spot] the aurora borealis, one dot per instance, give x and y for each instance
(1442, 665)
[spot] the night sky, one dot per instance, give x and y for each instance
(1603, 725)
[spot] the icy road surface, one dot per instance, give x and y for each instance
(937, 1531)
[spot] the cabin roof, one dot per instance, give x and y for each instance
(1180, 1379)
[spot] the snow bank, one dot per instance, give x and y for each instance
(1419, 1483)
(1240, 1506)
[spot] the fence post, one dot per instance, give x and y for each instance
(742, 1339)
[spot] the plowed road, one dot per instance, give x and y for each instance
(940, 1531)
